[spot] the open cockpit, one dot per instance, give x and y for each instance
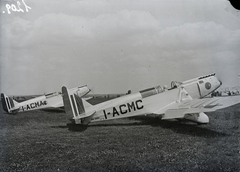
(52, 94)
(152, 91)
(159, 89)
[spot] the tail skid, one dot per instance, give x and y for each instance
(8, 104)
(75, 108)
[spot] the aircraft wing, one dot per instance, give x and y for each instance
(179, 109)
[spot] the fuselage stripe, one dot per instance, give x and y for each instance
(74, 106)
(8, 105)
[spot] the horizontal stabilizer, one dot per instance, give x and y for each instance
(80, 91)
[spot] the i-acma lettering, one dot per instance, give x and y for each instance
(34, 105)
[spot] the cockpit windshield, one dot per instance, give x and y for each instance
(152, 91)
(52, 94)
(175, 84)
(159, 89)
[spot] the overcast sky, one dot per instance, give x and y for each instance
(113, 46)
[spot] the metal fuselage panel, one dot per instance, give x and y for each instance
(129, 105)
(39, 103)
(133, 105)
(48, 101)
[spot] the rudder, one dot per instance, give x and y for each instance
(8, 104)
(73, 106)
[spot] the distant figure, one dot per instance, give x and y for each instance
(216, 94)
(220, 93)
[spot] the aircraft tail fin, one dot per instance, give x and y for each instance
(8, 104)
(75, 107)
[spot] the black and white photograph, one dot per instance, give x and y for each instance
(119, 85)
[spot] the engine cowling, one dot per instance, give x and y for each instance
(202, 86)
(208, 85)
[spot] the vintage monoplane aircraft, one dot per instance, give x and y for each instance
(186, 100)
(51, 100)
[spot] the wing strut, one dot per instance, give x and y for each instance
(183, 95)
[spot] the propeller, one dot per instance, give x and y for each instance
(221, 80)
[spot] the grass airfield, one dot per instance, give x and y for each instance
(41, 141)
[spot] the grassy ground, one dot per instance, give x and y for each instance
(41, 141)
